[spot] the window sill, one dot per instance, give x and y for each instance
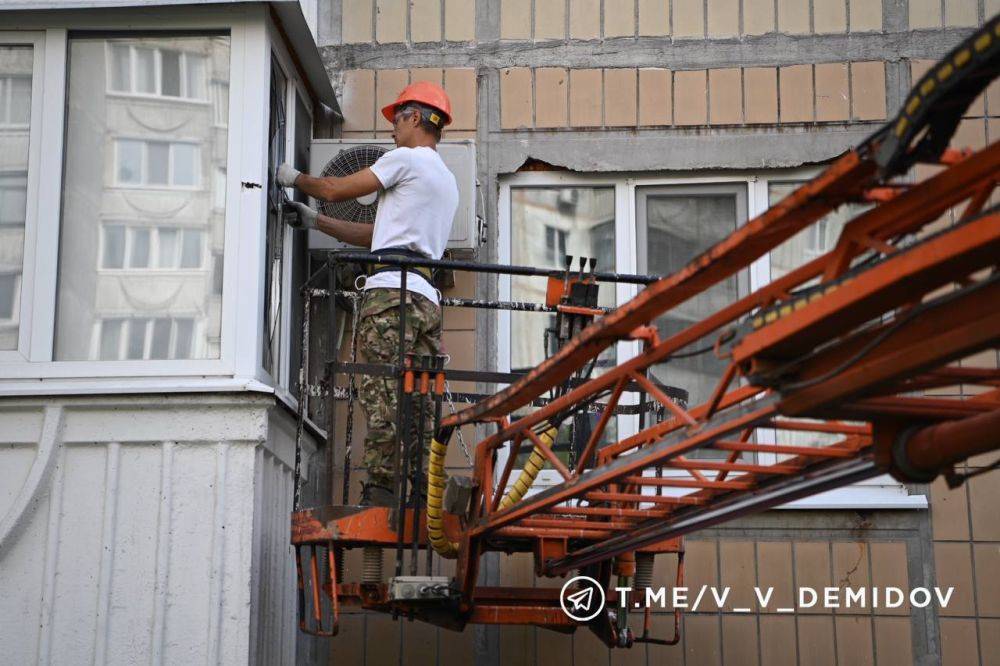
(117, 385)
(159, 99)
(860, 496)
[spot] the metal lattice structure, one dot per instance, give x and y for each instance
(824, 372)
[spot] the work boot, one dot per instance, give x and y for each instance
(374, 494)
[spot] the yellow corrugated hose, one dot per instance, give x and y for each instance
(536, 461)
(436, 480)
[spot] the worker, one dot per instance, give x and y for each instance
(418, 197)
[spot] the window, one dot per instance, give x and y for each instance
(138, 68)
(579, 221)
(144, 338)
(274, 249)
(811, 242)
(674, 224)
(555, 245)
(657, 225)
(220, 102)
(104, 281)
(8, 296)
(160, 248)
(156, 163)
(16, 63)
(15, 97)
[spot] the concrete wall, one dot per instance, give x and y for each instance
(652, 86)
(147, 529)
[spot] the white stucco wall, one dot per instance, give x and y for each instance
(149, 529)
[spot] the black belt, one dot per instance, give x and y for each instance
(423, 271)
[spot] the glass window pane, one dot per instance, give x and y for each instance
(8, 294)
(113, 253)
(170, 68)
(111, 330)
(20, 100)
(157, 162)
(680, 224)
(13, 199)
(675, 225)
(184, 338)
(195, 76)
(145, 71)
(136, 339)
(168, 247)
(16, 64)
(129, 162)
(105, 146)
(812, 241)
(159, 348)
(139, 252)
(185, 165)
(121, 79)
(579, 221)
(191, 249)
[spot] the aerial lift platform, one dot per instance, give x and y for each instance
(841, 349)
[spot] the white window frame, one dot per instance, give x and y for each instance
(882, 492)
(294, 90)
(24, 301)
(31, 369)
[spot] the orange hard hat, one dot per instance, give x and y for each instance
(426, 93)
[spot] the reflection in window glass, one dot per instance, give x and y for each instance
(145, 71)
(676, 224)
(191, 250)
(115, 164)
(579, 221)
(803, 247)
(184, 165)
(157, 162)
(171, 73)
(815, 240)
(8, 293)
(15, 119)
(680, 224)
(139, 255)
(129, 162)
(110, 336)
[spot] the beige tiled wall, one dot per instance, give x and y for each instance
(827, 92)
(411, 21)
(366, 91)
(694, 19)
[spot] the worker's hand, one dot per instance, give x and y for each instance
(305, 217)
(286, 175)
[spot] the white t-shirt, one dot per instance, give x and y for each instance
(415, 211)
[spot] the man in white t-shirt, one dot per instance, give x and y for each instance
(418, 197)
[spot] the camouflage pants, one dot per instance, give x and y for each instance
(378, 341)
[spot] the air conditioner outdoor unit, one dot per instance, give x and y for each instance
(355, 154)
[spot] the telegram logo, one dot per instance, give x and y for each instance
(582, 598)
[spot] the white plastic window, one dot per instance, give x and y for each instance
(636, 251)
(105, 263)
(16, 65)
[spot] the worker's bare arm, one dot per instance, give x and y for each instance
(333, 188)
(354, 233)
